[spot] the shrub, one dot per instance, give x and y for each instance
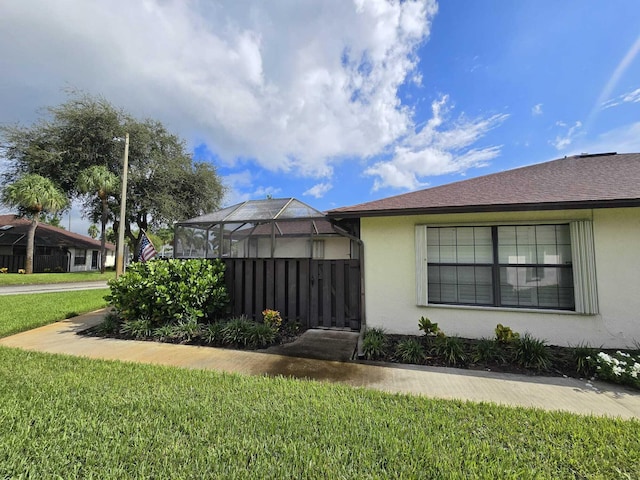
(505, 334)
(213, 333)
(582, 355)
(488, 350)
(428, 327)
(410, 350)
(185, 330)
(109, 325)
(261, 335)
(374, 343)
(237, 331)
(272, 319)
(451, 349)
(137, 328)
(168, 291)
(163, 333)
(620, 367)
(531, 352)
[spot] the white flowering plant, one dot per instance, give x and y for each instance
(619, 367)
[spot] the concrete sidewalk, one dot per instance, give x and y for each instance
(548, 393)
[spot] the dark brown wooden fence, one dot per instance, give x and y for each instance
(41, 263)
(315, 293)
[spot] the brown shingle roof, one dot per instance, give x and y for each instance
(46, 235)
(581, 181)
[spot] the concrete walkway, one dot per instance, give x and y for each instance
(549, 393)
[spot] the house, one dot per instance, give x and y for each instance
(56, 249)
(552, 249)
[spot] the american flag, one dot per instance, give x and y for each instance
(146, 250)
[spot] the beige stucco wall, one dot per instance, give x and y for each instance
(390, 281)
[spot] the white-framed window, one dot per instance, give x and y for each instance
(80, 257)
(514, 266)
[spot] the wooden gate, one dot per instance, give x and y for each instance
(315, 293)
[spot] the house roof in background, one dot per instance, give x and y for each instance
(46, 235)
(581, 181)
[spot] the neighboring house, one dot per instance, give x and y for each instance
(56, 249)
(552, 249)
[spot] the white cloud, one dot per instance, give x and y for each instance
(319, 190)
(629, 97)
(439, 147)
(241, 187)
(625, 139)
(536, 109)
(293, 85)
(563, 141)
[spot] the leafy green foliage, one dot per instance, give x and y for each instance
(582, 355)
(410, 350)
(428, 327)
(165, 184)
(212, 333)
(237, 332)
(261, 335)
(505, 334)
(374, 343)
(451, 349)
(186, 330)
(170, 291)
(164, 333)
(32, 195)
(489, 351)
(531, 352)
(272, 318)
(619, 367)
(140, 328)
(109, 325)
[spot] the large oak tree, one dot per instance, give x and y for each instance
(165, 184)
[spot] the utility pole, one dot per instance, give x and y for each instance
(123, 207)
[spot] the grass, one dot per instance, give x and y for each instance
(42, 278)
(26, 311)
(77, 418)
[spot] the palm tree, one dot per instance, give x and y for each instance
(33, 195)
(93, 231)
(99, 180)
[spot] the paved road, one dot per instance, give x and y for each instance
(51, 287)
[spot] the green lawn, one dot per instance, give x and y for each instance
(73, 418)
(27, 311)
(40, 278)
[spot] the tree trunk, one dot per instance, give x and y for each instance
(103, 234)
(31, 241)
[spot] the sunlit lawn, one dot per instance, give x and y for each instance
(41, 278)
(27, 311)
(66, 417)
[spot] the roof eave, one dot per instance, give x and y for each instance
(512, 207)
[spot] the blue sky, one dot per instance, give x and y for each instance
(340, 102)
